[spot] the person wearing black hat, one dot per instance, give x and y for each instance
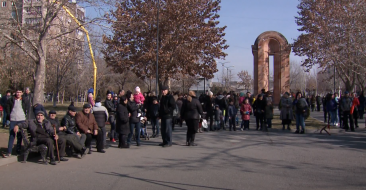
(167, 105)
(87, 125)
(346, 104)
(68, 121)
(71, 140)
(42, 133)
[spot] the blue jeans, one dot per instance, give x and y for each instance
(113, 134)
(137, 132)
(217, 125)
(12, 137)
(155, 125)
(166, 131)
(5, 122)
(300, 121)
(333, 117)
(269, 123)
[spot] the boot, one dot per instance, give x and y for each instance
(188, 140)
(90, 150)
(288, 127)
(283, 128)
(191, 143)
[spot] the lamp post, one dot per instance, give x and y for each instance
(227, 74)
(157, 53)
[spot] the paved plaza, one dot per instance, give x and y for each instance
(222, 160)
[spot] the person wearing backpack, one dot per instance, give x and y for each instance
(301, 107)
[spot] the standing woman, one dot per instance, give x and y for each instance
(259, 107)
(122, 126)
(191, 111)
(301, 107)
(361, 107)
(286, 110)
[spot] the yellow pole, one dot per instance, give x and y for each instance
(90, 47)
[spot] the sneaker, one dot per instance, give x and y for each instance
(113, 140)
(6, 155)
(53, 162)
(63, 159)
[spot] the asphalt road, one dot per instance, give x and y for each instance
(222, 160)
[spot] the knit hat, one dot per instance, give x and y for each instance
(40, 112)
(52, 112)
(137, 89)
(210, 93)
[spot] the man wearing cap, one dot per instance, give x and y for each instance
(70, 139)
(346, 104)
(167, 105)
(101, 116)
(87, 125)
(69, 122)
(16, 112)
(42, 132)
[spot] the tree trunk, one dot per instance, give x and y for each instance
(63, 96)
(40, 76)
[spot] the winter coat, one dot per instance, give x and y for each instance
(154, 111)
(241, 100)
(167, 105)
(245, 111)
(122, 126)
(218, 114)
(312, 100)
(85, 122)
(232, 111)
(100, 114)
(269, 112)
(259, 107)
(10, 105)
(69, 122)
(355, 104)
(209, 106)
(362, 102)
(139, 98)
(31, 125)
(331, 105)
(132, 109)
(110, 106)
(221, 102)
(286, 108)
(191, 109)
(346, 103)
(28, 105)
(300, 105)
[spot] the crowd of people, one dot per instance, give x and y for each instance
(129, 112)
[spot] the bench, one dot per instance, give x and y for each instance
(32, 147)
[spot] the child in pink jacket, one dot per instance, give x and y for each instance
(138, 97)
(245, 111)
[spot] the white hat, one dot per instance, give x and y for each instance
(137, 89)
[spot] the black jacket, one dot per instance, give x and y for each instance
(109, 104)
(209, 107)
(10, 106)
(154, 111)
(167, 105)
(221, 102)
(132, 109)
(28, 99)
(191, 109)
(69, 123)
(57, 125)
(259, 106)
(122, 119)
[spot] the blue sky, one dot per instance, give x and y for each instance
(245, 21)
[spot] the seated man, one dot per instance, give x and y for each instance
(61, 132)
(42, 133)
(69, 122)
(87, 125)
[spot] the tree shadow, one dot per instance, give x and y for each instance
(167, 184)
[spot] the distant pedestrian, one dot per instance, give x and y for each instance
(246, 111)
(301, 106)
(286, 114)
(167, 105)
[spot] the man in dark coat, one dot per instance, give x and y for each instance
(167, 105)
(70, 139)
(43, 133)
(28, 98)
(101, 116)
(112, 119)
(122, 119)
(4, 99)
(69, 122)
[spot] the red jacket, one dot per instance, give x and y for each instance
(244, 109)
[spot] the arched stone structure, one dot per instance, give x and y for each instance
(267, 44)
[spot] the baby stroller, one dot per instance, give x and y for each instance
(143, 129)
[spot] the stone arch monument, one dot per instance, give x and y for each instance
(271, 43)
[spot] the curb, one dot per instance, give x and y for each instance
(9, 160)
